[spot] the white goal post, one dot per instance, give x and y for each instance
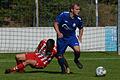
(118, 30)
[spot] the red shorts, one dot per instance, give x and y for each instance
(33, 56)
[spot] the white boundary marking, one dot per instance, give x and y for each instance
(2, 60)
(100, 58)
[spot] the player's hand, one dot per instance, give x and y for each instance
(60, 35)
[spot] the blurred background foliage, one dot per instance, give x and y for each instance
(21, 13)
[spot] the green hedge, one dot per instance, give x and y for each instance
(22, 12)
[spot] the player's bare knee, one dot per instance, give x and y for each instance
(77, 51)
(20, 56)
(17, 56)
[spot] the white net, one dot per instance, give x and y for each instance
(23, 39)
(27, 39)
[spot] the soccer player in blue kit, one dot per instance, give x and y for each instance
(65, 26)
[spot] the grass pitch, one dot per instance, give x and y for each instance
(110, 61)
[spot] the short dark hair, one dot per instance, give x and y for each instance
(72, 6)
(50, 43)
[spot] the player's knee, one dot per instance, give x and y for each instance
(20, 56)
(77, 51)
(17, 56)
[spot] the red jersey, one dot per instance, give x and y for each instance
(41, 53)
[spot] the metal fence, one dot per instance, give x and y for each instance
(22, 13)
(17, 13)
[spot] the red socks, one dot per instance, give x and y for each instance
(18, 67)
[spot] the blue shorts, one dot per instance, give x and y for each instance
(63, 43)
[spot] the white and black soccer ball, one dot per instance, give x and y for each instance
(100, 71)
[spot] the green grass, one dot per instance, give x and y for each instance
(111, 61)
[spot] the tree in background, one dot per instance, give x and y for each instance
(21, 13)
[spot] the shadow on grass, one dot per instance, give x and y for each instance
(51, 72)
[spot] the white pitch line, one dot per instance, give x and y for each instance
(98, 59)
(2, 60)
(7, 60)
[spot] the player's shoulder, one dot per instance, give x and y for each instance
(44, 40)
(64, 13)
(79, 18)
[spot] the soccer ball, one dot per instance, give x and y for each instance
(100, 71)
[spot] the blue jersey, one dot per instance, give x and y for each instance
(67, 25)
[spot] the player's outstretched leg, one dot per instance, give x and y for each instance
(79, 65)
(63, 64)
(77, 62)
(8, 71)
(67, 66)
(20, 58)
(15, 69)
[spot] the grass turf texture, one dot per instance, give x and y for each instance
(111, 62)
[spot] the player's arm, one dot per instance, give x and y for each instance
(80, 26)
(57, 21)
(36, 50)
(80, 34)
(56, 27)
(39, 46)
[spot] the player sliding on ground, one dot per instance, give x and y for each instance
(39, 59)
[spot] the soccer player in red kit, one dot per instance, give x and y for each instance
(39, 59)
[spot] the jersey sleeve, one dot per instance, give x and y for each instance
(42, 42)
(59, 18)
(80, 25)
